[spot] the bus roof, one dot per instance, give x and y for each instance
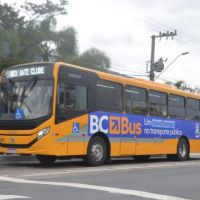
(137, 82)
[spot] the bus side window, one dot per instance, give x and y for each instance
(135, 100)
(192, 109)
(157, 103)
(81, 98)
(176, 106)
(72, 97)
(109, 96)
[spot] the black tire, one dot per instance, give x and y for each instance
(96, 152)
(46, 160)
(141, 158)
(182, 150)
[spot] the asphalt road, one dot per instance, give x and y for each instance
(24, 177)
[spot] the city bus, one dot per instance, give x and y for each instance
(58, 110)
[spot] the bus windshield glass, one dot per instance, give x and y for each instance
(25, 99)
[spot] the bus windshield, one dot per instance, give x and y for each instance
(26, 99)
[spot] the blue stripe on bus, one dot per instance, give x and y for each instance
(125, 125)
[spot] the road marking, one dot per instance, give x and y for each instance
(95, 187)
(4, 197)
(114, 168)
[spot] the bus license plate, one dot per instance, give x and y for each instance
(11, 150)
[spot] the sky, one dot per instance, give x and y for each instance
(123, 30)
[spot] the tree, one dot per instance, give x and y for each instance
(45, 10)
(10, 19)
(67, 48)
(30, 40)
(181, 85)
(43, 20)
(33, 37)
(10, 24)
(94, 58)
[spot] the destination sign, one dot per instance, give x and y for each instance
(30, 70)
(25, 72)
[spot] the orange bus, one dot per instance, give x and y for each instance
(59, 110)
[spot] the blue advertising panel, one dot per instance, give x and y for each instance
(125, 125)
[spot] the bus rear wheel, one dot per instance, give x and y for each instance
(46, 160)
(182, 150)
(97, 152)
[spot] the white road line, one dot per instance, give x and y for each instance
(94, 187)
(5, 197)
(113, 168)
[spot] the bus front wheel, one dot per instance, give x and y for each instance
(97, 152)
(46, 160)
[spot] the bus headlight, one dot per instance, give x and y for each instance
(42, 133)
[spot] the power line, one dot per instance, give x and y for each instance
(122, 67)
(129, 72)
(182, 54)
(189, 83)
(157, 25)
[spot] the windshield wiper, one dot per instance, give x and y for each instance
(29, 87)
(26, 90)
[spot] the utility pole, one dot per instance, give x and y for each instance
(152, 67)
(160, 62)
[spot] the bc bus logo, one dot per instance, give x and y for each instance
(114, 125)
(76, 127)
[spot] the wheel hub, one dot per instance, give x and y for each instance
(97, 152)
(182, 150)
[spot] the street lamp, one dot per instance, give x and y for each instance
(182, 54)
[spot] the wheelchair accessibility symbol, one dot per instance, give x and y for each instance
(76, 127)
(19, 113)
